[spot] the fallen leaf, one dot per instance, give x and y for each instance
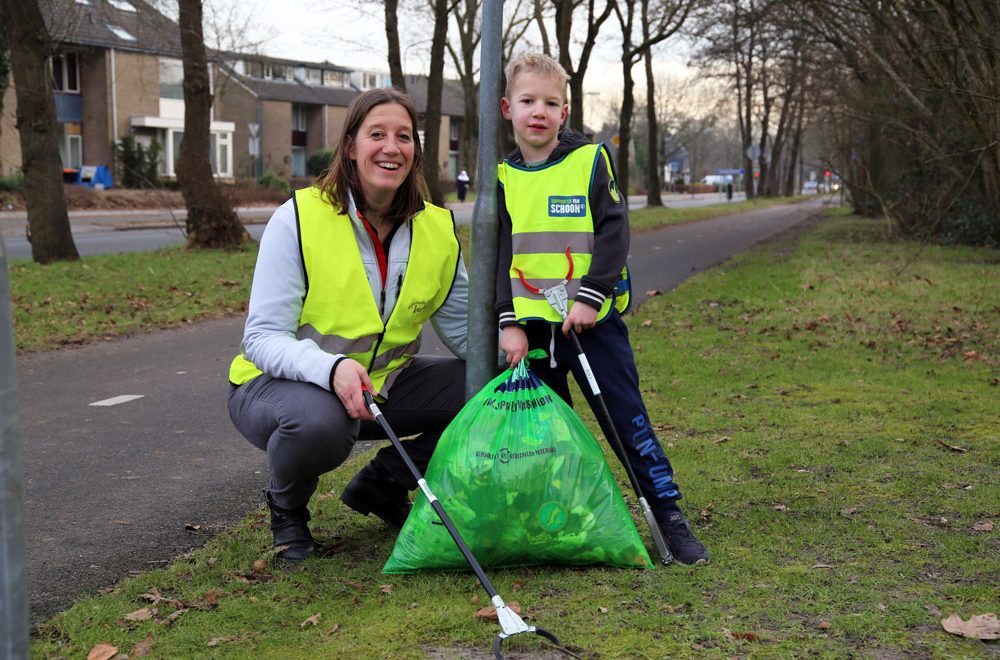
(517, 586)
(647, 323)
(102, 651)
(142, 648)
(334, 628)
(311, 621)
(973, 356)
(259, 566)
(984, 526)
(848, 511)
(215, 641)
(780, 507)
(192, 528)
(961, 450)
(823, 566)
(210, 599)
(748, 635)
(387, 588)
(144, 614)
(824, 625)
(490, 613)
(724, 438)
(882, 607)
(355, 585)
(980, 626)
(652, 292)
(602, 610)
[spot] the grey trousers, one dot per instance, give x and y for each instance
(306, 431)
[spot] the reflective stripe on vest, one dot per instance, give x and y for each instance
(549, 207)
(339, 312)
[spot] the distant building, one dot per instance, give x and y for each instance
(117, 71)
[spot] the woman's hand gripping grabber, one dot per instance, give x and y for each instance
(510, 623)
(558, 298)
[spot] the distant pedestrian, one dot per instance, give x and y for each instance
(729, 191)
(462, 185)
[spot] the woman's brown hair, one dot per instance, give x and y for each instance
(342, 176)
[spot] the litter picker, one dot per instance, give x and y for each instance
(557, 296)
(510, 623)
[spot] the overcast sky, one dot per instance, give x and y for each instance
(343, 33)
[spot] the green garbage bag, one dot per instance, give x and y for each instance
(524, 482)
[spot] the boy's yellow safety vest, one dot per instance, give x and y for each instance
(339, 312)
(550, 211)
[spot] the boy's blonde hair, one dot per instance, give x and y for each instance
(538, 64)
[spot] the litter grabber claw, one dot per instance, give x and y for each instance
(558, 298)
(510, 623)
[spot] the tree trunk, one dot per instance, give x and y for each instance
(4, 69)
(211, 221)
(30, 46)
(625, 124)
(653, 190)
(432, 113)
(392, 37)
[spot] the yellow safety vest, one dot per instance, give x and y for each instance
(550, 211)
(339, 312)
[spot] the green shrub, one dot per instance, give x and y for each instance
(139, 166)
(12, 183)
(319, 161)
(270, 179)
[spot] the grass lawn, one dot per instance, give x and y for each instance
(830, 406)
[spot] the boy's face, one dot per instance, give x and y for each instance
(536, 108)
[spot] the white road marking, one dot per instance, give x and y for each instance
(115, 400)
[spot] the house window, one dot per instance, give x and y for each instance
(277, 72)
(220, 153)
(334, 79)
(71, 146)
(253, 69)
(171, 79)
(298, 117)
(314, 76)
(121, 33)
(298, 161)
(65, 73)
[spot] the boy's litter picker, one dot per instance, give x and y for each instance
(510, 623)
(557, 297)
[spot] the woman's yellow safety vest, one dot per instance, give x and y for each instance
(550, 211)
(339, 312)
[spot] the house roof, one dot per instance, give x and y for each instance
(452, 103)
(122, 24)
(299, 92)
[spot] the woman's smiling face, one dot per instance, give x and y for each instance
(382, 152)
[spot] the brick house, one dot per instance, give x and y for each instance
(298, 108)
(117, 71)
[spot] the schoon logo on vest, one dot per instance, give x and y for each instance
(567, 207)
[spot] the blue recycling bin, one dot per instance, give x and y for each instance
(94, 176)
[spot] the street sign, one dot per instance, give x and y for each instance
(254, 129)
(730, 171)
(753, 151)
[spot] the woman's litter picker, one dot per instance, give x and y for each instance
(510, 623)
(557, 296)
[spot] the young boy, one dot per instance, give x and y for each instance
(557, 191)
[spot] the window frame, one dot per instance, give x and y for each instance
(62, 61)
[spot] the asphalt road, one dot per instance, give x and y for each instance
(123, 487)
(110, 232)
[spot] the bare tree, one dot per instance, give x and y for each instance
(466, 15)
(432, 112)
(665, 18)
(211, 220)
(30, 47)
(392, 38)
(593, 20)
(4, 70)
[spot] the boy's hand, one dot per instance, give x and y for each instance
(514, 342)
(580, 318)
